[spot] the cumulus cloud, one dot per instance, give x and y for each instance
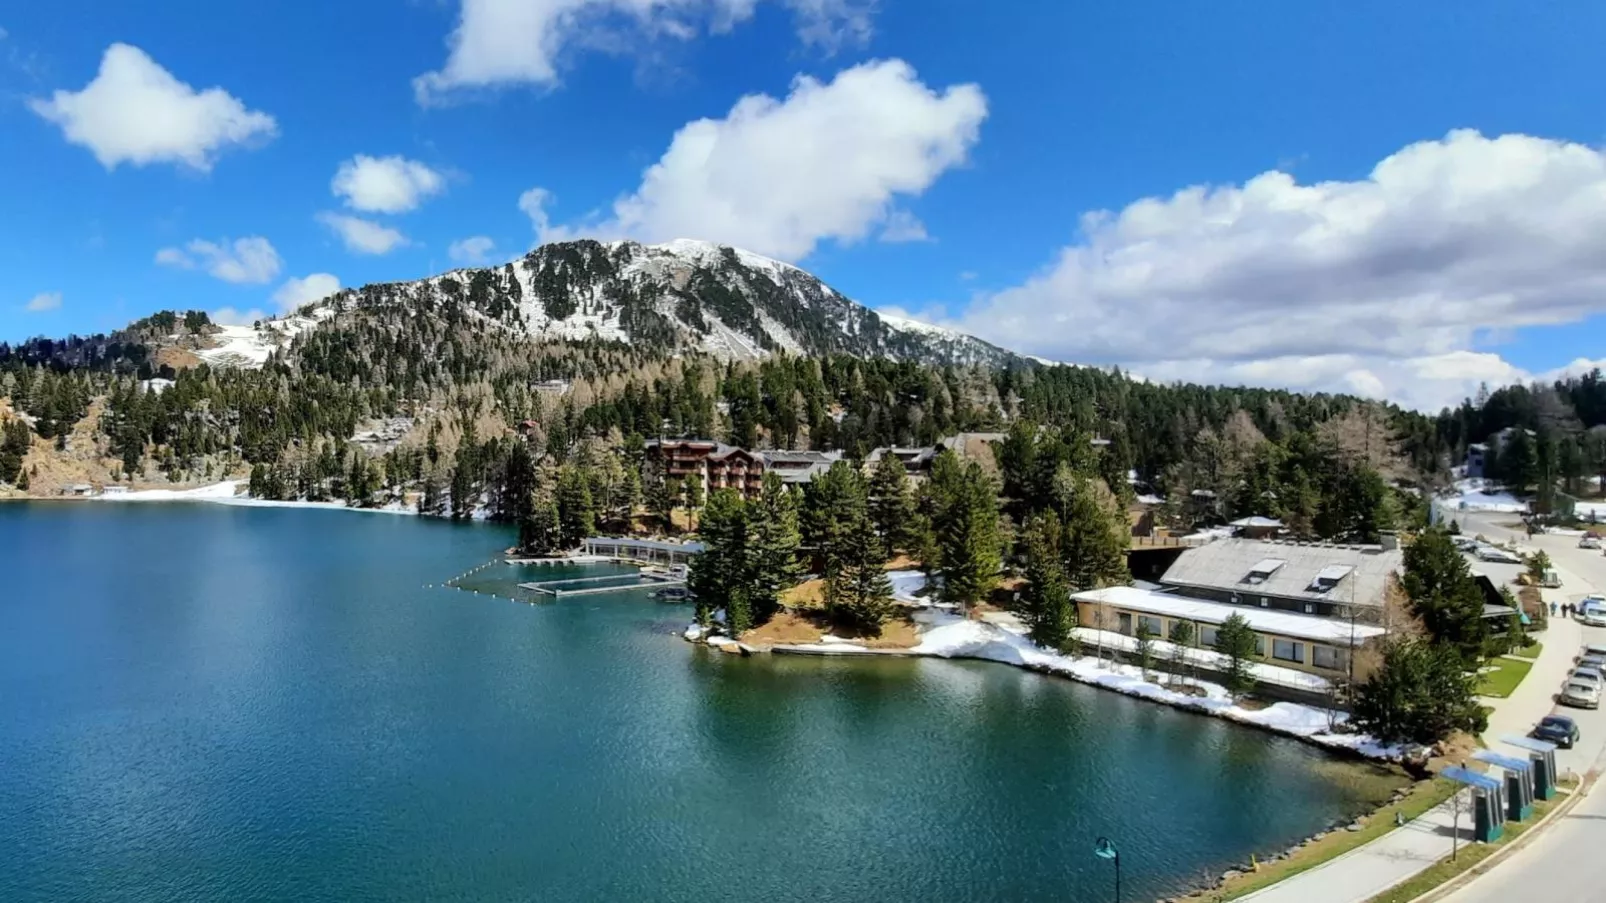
(137, 112)
(472, 251)
(385, 184)
(44, 301)
(1388, 283)
(902, 226)
(296, 293)
(245, 260)
(508, 42)
(779, 176)
(534, 203)
(231, 316)
(363, 236)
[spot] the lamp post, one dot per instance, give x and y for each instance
(1103, 849)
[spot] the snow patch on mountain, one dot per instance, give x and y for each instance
(251, 346)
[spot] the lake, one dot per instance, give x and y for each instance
(204, 702)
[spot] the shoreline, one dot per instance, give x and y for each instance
(951, 637)
(220, 493)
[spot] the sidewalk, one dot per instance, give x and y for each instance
(1367, 871)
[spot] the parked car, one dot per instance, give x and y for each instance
(1496, 554)
(1580, 695)
(1551, 580)
(1465, 543)
(1557, 729)
(1589, 541)
(1593, 614)
(1588, 675)
(1593, 649)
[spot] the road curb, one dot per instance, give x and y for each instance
(1499, 856)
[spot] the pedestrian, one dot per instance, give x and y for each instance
(1552, 609)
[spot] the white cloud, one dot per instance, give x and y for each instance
(137, 112)
(832, 24)
(472, 251)
(1389, 282)
(363, 236)
(295, 293)
(902, 226)
(44, 301)
(506, 42)
(385, 184)
(779, 176)
(230, 316)
(534, 203)
(245, 260)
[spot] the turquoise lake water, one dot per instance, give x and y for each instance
(203, 702)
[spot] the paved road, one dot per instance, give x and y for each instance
(1568, 861)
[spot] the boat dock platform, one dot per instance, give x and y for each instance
(643, 580)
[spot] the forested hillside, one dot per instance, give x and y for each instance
(418, 390)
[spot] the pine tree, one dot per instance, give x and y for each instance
(539, 532)
(1443, 594)
(691, 493)
(1094, 543)
(1235, 640)
(1421, 692)
(718, 576)
(577, 512)
(858, 594)
(1181, 638)
(465, 478)
(662, 497)
(833, 505)
(964, 520)
(891, 505)
(772, 545)
(1046, 597)
(1145, 649)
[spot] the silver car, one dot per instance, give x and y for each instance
(1580, 694)
(1588, 676)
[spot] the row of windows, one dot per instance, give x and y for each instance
(1327, 657)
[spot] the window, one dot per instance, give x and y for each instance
(1288, 651)
(1310, 608)
(1126, 624)
(1260, 645)
(1153, 624)
(1329, 658)
(1207, 636)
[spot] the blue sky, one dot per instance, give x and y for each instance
(994, 129)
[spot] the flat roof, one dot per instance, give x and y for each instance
(1263, 620)
(653, 544)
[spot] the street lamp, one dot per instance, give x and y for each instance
(1103, 849)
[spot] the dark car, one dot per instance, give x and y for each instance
(1558, 729)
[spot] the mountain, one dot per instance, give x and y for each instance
(679, 295)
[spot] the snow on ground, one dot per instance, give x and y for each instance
(1479, 495)
(215, 492)
(907, 586)
(1206, 658)
(960, 638)
(904, 324)
(224, 493)
(1590, 510)
(251, 346)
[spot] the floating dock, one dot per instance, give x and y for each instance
(584, 585)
